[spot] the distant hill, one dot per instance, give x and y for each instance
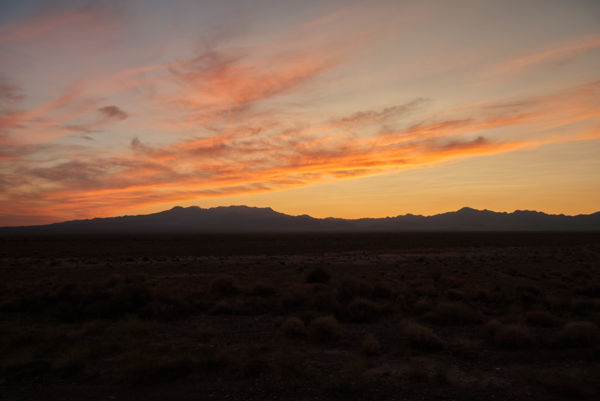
(244, 219)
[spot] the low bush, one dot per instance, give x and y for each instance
(293, 327)
(370, 345)
(230, 307)
(421, 337)
(579, 334)
(350, 288)
(263, 290)
(542, 318)
(318, 275)
(362, 310)
(325, 329)
(513, 336)
(454, 313)
(223, 286)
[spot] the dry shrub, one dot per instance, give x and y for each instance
(362, 310)
(584, 306)
(590, 290)
(350, 288)
(454, 313)
(230, 308)
(421, 337)
(325, 329)
(263, 290)
(455, 295)
(318, 275)
(493, 327)
(324, 302)
(382, 290)
(293, 327)
(293, 300)
(579, 334)
(370, 345)
(223, 286)
(513, 336)
(542, 318)
(146, 370)
(422, 305)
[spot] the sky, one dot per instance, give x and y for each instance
(327, 108)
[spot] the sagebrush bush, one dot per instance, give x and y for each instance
(590, 290)
(318, 275)
(579, 334)
(513, 336)
(454, 313)
(362, 310)
(382, 290)
(493, 327)
(293, 327)
(542, 318)
(455, 295)
(370, 345)
(350, 288)
(263, 290)
(223, 286)
(293, 300)
(230, 307)
(421, 337)
(325, 329)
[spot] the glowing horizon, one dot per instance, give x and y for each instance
(363, 109)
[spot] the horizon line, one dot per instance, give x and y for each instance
(303, 214)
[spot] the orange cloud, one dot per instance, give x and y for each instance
(560, 51)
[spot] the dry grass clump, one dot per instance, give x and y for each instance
(318, 275)
(293, 300)
(421, 337)
(230, 307)
(370, 345)
(263, 290)
(513, 336)
(293, 327)
(382, 290)
(579, 334)
(223, 285)
(542, 318)
(350, 288)
(362, 310)
(155, 370)
(590, 290)
(454, 313)
(325, 329)
(493, 327)
(455, 295)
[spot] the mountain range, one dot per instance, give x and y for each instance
(244, 219)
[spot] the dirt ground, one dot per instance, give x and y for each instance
(449, 316)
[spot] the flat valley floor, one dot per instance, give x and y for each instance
(411, 316)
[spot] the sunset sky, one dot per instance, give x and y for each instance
(329, 108)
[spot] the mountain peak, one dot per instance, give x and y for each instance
(247, 219)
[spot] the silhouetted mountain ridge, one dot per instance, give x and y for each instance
(245, 219)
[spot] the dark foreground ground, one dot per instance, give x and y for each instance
(382, 316)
